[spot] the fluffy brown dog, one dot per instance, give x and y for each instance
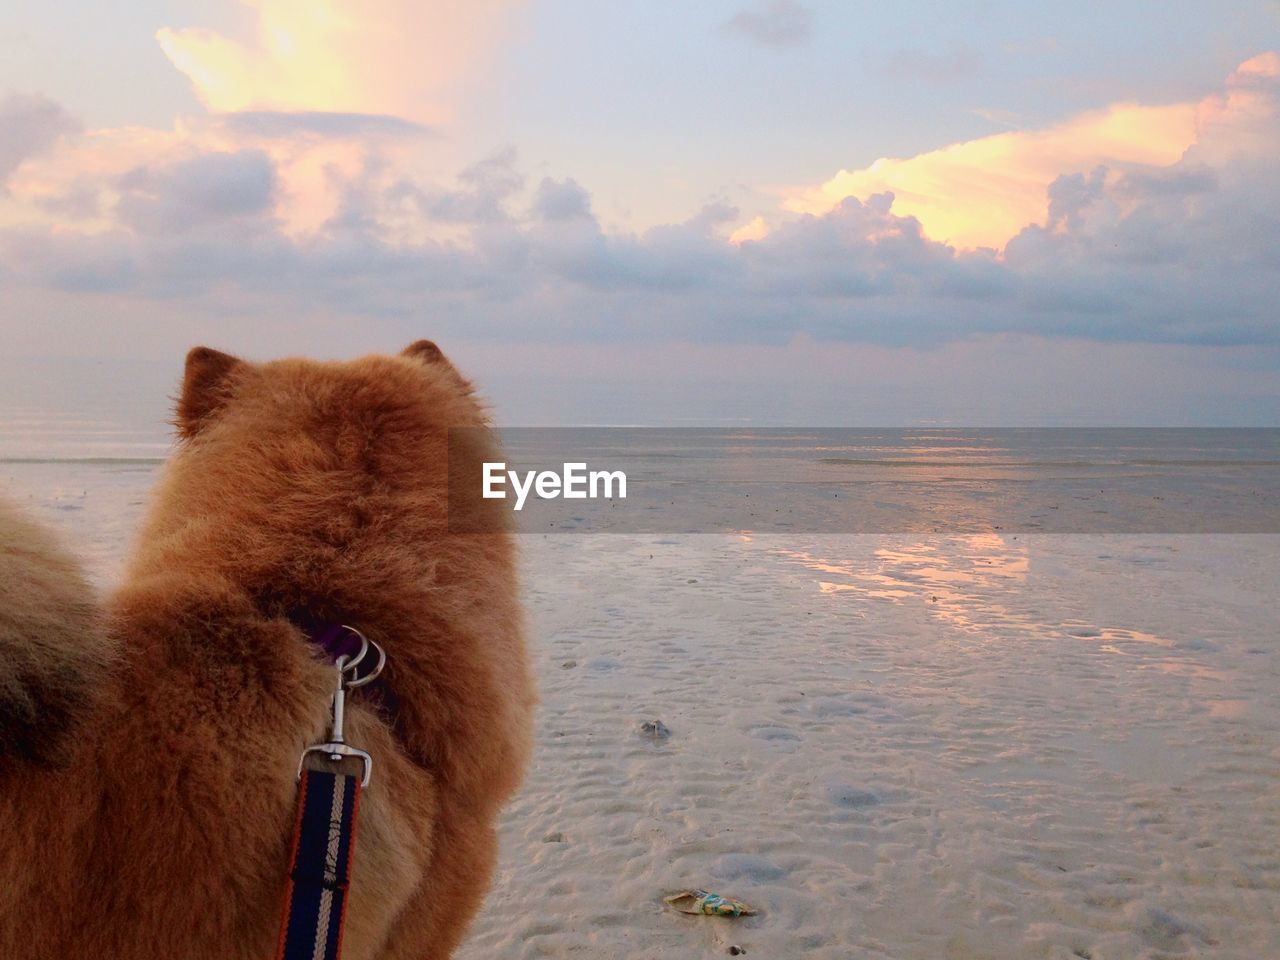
(299, 487)
(54, 653)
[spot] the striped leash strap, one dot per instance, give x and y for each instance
(320, 871)
(324, 830)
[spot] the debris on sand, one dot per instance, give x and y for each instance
(706, 903)
(655, 730)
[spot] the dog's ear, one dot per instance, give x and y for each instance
(425, 350)
(206, 386)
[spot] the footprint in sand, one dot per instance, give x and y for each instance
(775, 736)
(829, 707)
(850, 797)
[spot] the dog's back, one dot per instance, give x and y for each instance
(55, 662)
(301, 490)
(53, 651)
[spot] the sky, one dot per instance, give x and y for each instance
(771, 212)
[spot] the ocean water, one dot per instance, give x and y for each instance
(794, 480)
(960, 480)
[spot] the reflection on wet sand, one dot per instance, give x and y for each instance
(982, 584)
(955, 576)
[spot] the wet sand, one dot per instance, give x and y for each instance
(894, 746)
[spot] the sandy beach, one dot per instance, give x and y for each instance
(907, 747)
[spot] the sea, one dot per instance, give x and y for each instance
(787, 480)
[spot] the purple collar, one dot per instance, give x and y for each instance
(328, 636)
(336, 640)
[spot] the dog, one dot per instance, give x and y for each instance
(151, 742)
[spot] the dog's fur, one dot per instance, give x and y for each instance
(148, 783)
(54, 654)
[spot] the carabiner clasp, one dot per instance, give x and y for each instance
(349, 677)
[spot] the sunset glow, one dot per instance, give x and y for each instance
(980, 193)
(391, 57)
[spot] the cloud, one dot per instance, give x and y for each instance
(1237, 128)
(1183, 253)
(211, 188)
(561, 200)
(1070, 197)
(320, 123)
(778, 24)
(30, 125)
(979, 193)
(754, 229)
(482, 194)
(80, 179)
(1176, 251)
(402, 58)
(333, 94)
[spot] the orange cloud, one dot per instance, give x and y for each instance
(755, 229)
(299, 59)
(1242, 116)
(980, 193)
(401, 57)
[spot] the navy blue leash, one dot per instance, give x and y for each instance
(320, 871)
(325, 829)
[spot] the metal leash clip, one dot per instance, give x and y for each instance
(349, 677)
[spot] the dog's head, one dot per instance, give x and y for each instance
(372, 390)
(315, 483)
